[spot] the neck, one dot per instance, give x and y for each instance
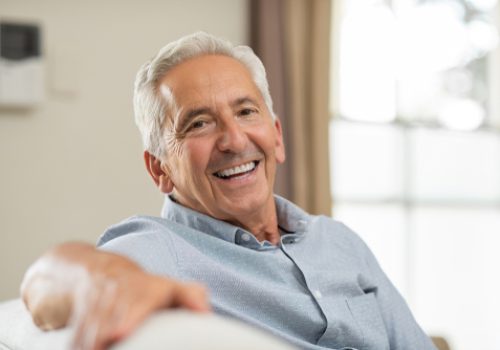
(263, 225)
(262, 232)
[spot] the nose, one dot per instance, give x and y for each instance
(232, 137)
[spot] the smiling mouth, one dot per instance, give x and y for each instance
(236, 171)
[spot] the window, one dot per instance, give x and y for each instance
(415, 153)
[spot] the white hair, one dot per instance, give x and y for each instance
(153, 110)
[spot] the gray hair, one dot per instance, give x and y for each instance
(152, 109)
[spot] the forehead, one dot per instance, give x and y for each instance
(209, 78)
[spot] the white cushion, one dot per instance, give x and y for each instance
(18, 332)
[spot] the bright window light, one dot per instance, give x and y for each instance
(415, 154)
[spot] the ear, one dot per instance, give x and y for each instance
(280, 153)
(158, 172)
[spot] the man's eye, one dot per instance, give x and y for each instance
(247, 111)
(198, 124)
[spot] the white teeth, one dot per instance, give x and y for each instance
(236, 170)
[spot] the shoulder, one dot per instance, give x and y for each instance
(333, 229)
(147, 240)
(137, 226)
(332, 232)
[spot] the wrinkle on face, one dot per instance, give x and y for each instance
(172, 135)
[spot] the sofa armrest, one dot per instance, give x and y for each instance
(169, 329)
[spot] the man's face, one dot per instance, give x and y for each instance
(222, 161)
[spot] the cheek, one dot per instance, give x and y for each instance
(265, 138)
(195, 155)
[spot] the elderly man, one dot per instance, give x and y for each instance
(212, 143)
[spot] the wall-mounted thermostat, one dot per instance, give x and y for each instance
(21, 65)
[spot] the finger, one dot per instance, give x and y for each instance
(112, 309)
(192, 296)
(84, 319)
(132, 316)
(160, 293)
(138, 297)
(87, 339)
(97, 315)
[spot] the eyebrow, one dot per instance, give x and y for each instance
(242, 100)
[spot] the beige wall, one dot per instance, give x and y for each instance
(73, 165)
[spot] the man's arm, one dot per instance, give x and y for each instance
(402, 329)
(105, 295)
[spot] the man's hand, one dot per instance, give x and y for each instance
(103, 295)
